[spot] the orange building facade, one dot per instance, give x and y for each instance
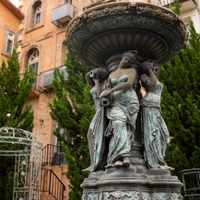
(10, 18)
(38, 29)
(42, 47)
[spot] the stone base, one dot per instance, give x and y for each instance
(120, 183)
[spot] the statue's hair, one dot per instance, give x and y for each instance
(102, 73)
(144, 66)
(153, 61)
(131, 54)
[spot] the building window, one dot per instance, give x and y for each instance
(10, 42)
(33, 62)
(38, 14)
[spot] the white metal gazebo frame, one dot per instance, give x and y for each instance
(27, 174)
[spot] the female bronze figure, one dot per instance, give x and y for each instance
(97, 80)
(122, 112)
(155, 130)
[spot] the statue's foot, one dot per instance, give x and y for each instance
(109, 165)
(88, 170)
(171, 168)
(126, 161)
(166, 167)
(118, 163)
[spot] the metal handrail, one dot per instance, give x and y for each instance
(191, 183)
(52, 155)
(51, 184)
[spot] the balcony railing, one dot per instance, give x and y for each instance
(93, 3)
(169, 3)
(52, 185)
(164, 3)
(46, 77)
(52, 155)
(191, 183)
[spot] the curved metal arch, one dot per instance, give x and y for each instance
(27, 149)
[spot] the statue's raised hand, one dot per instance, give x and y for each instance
(105, 93)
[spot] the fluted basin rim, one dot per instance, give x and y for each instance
(116, 3)
(79, 31)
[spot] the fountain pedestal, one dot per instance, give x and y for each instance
(127, 184)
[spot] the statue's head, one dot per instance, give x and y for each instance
(131, 54)
(152, 64)
(127, 58)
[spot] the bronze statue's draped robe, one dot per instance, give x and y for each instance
(155, 130)
(122, 114)
(96, 136)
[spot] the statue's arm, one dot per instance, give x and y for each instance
(89, 79)
(98, 86)
(148, 81)
(152, 76)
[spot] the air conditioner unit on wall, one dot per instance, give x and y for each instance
(63, 13)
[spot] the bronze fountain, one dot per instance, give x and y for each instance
(98, 37)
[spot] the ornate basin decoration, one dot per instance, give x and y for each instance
(104, 31)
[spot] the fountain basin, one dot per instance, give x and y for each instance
(104, 31)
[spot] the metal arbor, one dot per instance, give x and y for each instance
(27, 149)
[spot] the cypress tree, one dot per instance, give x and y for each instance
(13, 94)
(177, 7)
(181, 105)
(73, 109)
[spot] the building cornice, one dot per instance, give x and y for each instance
(16, 11)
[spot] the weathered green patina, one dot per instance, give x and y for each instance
(103, 31)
